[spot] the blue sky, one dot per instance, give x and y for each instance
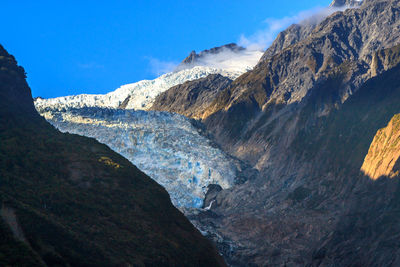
(72, 47)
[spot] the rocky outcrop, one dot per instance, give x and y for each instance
(300, 31)
(191, 98)
(193, 57)
(68, 200)
(385, 59)
(383, 155)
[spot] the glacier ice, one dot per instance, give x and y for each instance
(165, 146)
(141, 94)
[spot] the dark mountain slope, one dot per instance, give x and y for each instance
(71, 201)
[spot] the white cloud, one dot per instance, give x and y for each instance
(239, 61)
(263, 38)
(159, 67)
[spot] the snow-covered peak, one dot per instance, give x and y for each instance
(141, 95)
(229, 57)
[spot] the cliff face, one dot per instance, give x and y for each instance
(68, 200)
(383, 155)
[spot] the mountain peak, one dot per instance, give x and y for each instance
(340, 3)
(194, 57)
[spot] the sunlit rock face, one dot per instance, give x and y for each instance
(167, 147)
(384, 153)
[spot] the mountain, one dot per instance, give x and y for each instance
(305, 118)
(229, 61)
(194, 58)
(316, 206)
(291, 36)
(345, 42)
(68, 200)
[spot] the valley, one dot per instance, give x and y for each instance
(283, 157)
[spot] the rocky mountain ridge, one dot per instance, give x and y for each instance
(345, 40)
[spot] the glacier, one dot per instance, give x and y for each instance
(167, 147)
